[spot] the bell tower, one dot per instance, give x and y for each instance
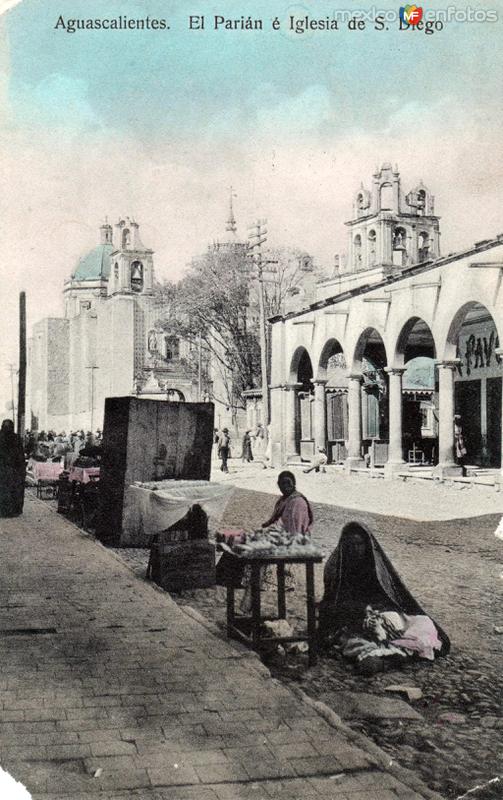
(390, 230)
(132, 268)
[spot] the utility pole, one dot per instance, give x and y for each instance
(12, 370)
(92, 396)
(199, 369)
(257, 238)
(21, 398)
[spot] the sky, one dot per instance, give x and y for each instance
(159, 124)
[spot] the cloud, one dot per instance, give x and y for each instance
(57, 100)
(296, 115)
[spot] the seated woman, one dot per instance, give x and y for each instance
(368, 613)
(292, 510)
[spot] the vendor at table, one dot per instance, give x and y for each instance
(91, 449)
(292, 509)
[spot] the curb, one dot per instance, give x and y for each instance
(382, 758)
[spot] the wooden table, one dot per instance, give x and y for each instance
(255, 639)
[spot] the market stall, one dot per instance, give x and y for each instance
(253, 553)
(44, 475)
(153, 506)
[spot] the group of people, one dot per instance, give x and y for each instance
(366, 615)
(254, 443)
(15, 451)
(52, 446)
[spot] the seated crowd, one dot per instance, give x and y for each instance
(76, 448)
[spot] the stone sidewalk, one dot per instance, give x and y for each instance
(110, 690)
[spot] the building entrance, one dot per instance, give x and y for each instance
(467, 399)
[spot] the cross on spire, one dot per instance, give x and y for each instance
(231, 222)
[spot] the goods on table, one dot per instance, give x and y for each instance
(274, 542)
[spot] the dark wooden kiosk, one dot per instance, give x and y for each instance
(149, 440)
(238, 626)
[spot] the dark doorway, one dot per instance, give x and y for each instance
(304, 414)
(337, 426)
(494, 421)
(467, 403)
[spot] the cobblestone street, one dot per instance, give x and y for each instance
(110, 690)
(453, 567)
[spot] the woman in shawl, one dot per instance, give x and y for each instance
(366, 610)
(12, 471)
(292, 509)
(247, 454)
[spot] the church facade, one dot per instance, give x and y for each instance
(109, 343)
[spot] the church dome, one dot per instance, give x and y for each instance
(95, 265)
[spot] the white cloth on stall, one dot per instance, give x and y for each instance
(154, 506)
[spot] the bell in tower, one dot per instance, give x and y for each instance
(133, 269)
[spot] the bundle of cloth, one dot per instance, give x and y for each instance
(367, 613)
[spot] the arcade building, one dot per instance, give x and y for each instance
(399, 340)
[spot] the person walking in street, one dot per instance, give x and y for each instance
(12, 471)
(224, 444)
(247, 454)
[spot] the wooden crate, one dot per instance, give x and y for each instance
(182, 565)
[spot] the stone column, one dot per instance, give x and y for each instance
(446, 464)
(320, 414)
(354, 458)
(276, 429)
(395, 461)
(290, 420)
(499, 352)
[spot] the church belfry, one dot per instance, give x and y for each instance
(389, 229)
(132, 268)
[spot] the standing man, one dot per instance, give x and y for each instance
(224, 444)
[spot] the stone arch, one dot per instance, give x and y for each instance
(414, 339)
(416, 351)
(473, 338)
(331, 348)
(357, 250)
(300, 366)
(300, 410)
(423, 246)
(472, 307)
(386, 197)
(370, 335)
(369, 362)
(372, 247)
